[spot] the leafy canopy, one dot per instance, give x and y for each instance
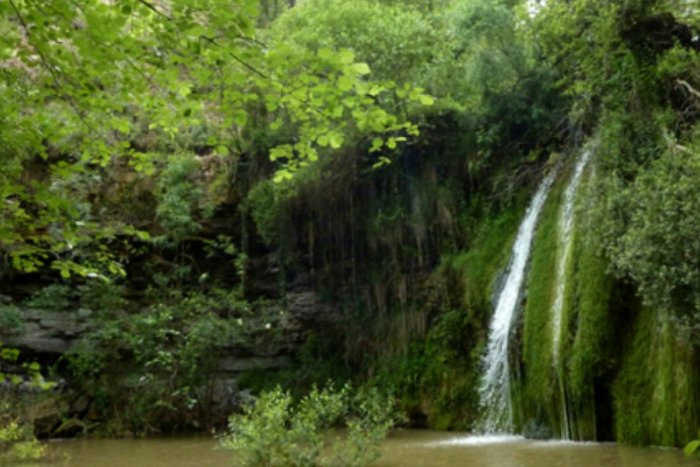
(85, 84)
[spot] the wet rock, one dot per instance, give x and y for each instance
(536, 430)
(84, 313)
(47, 332)
(303, 305)
(31, 328)
(39, 344)
(236, 364)
(80, 405)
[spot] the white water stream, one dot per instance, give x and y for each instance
(495, 385)
(566, 224)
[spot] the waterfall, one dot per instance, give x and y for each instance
(495, 385)
(566, 223)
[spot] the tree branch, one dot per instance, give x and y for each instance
(45, 63)
(250, 67)
(689, 88)
(153, 8)
(236, 58)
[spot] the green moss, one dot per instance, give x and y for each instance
(590, 341)
(457, 341)
(656, 394)
(627, 376)
(488, 254)
(437, 379)
(317, 362)
(11, 320)
(539, 395)
(589, 355)
(441, 421)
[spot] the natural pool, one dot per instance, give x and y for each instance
(403, 448)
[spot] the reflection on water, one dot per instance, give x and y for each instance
(167, 452)
(480, 440)
(420, 448)
(403, 448)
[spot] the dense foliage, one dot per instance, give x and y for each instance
(230, 195)
(132, 83)
(634, 74)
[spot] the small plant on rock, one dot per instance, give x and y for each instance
(17, 440)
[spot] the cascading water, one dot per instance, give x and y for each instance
(566, 223)
(495, 384)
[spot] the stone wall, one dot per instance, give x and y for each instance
(45, 335)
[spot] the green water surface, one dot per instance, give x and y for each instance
(403, 448)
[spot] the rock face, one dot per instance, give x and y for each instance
(280, 329)
(52, 333)
(46, 332)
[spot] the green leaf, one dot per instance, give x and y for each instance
(361, 68)
(346, 56)
(240, 118)
(184, 88)
(325, 53)
(692, 447)
(336, 140)
(345, 83)
(383, 160)
(375, 90)
(142, 235)
(282, 175)
(195, 32)
(281, 152)
(426, 99)
(377, 144)
(121, 125)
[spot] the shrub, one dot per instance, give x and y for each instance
(55, 297)
(10, 319)
(17, 441)
(179, 197)
(276, 431)
(161, 360)
(102, 296)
